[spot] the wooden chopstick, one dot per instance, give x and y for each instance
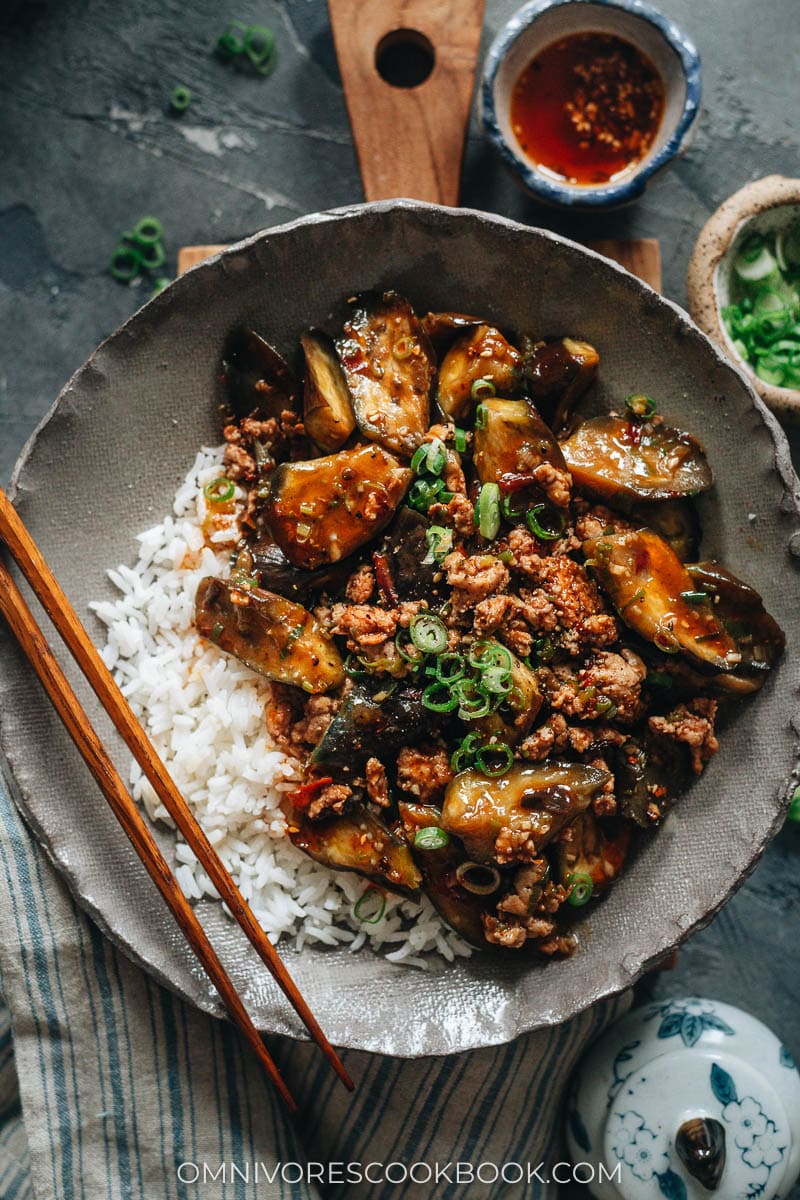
(80, 729)
(30, 561)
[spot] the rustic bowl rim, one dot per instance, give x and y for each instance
(713, 245)
(634, 185)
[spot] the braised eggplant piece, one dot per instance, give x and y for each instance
(758, 636)
(405, 549)
(511, 443)
(654, 594)
(675, 521)
(513, 721)
(587, 849)
(650, 772)
(443, 327)
(258, 378)
(388, 364)
(481, 354)
(327, 408)
(322, 510)
(624, 460)
(365, 726)
(461, 908)
(269, 634)
(535, 799)
(274, 572)
(358, 841)
(557, 373)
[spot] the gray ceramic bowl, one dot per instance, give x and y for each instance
(539, 23)
(123, 433)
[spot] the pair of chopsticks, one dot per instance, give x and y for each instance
(34, 645)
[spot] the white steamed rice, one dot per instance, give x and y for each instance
(204, 711)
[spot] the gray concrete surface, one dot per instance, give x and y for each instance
(87, 146)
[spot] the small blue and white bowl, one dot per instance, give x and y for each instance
(541, 22)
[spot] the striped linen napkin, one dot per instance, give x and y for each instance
(125, 1092)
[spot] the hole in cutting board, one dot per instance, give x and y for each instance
(404, 58)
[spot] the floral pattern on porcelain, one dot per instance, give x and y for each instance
(688, 1019)
(752, 1131)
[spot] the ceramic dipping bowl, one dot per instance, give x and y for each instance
(542, 22)
(767, 206)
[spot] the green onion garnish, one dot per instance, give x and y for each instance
(640, 405)
(494, 759)
(464, 755)
(360, 910)
(428, 633)
(259, 46)
(450, 667)
(488, 511)
(481, 416)
(581, 888)
(404, 347)
(482, 389)
(439, 698)
(439, 540)
(436, 457)
(126, 262)
(550, 532)
(355, 672)
(180, 98)
(159, 285)
(472, 703)
(416, 657)
(485, 654)
(148, 231)
(794, 808)
(217, 632)
(431, 838)
(418, 458)
(496, 680)
(694, 597)
(460, 440)
(219, 491)
(513, 506)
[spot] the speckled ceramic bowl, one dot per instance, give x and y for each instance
(766, 206)
(541, 22)
(130, 423)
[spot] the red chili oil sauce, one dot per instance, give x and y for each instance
(587, 107)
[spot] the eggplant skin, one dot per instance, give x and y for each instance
(405, 547)
(275, 573)
(539, 798)
(557, 373)
(649, 775)
(675, 521)
(322, 510)
(389, 365)
(513, 441)
(258, 378)
(758, 636)
(482, 353)
(358, 841)
(269, 634)
(364, 726)
(647, 584)
(327, 408)
(623, 461)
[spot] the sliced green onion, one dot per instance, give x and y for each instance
(431, 838)
(794, 809)
(153, 256)
(513, 505)
(423, 492)
(418, 458)
(482, 389)
(550, 532)
(360, 910)
(404, 347)
(428, 633)
(439, 540)
(351, 670)
(640, 405)
(753, 264)
(486, 654)
(481, 416)
(416, 658)
(436, 459)
(126, 263)
(460, 440)
(488, 511)
(228, 46)
(217, 632)
(159, 285)
(771, 371)
(148, 230)
(477, 878)
(580, 889)
(464, 755)
(787, 248)
(450, 667)
(439, 698)
(694, 597)
(259, 46)
(494, 759)
(472, 703)
(180, 98)
(496, 680)
(219, 491)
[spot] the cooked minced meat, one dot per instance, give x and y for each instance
(377, 783)
(693, 724)
(424, 773)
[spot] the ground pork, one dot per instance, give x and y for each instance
(360, 585)
(424, 772)
(593, 520)
(377, 784)
(552, 735)
(473, 578)
(516, 845)
(565, 598)
(527, 884)
(489, 614)
(575, 694)
(364, 625)
(513, 932)
(332, 798)
(238, 463)
(693, 724)
(319, 711)
(554, 482)
(618, 678)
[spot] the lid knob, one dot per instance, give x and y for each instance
(700, 1143)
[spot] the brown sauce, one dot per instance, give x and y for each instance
(587, 107)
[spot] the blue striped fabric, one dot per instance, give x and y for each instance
(124, 1092)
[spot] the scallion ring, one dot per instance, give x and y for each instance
(180, 98)
(496, 680)
(478, 878)
(464, 754)
(460, 440)
(481, 415)
(580, 889)
(404, 347)
(220, 490)
(494, 759)
(545, 533)
(428, 633)
(148, 231)
(640, 405)
(449, 668)
(431, 838)
(485, 654)
(416, 658)
(694, 597)
(436, 457)
(513, 506)
(355, 672)
(418, 458)
(363, 903)
(126, 263)
(488, 511)
(482, 389)
(439, 698)
(439, 540)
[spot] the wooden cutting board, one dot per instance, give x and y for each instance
(641, 256)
